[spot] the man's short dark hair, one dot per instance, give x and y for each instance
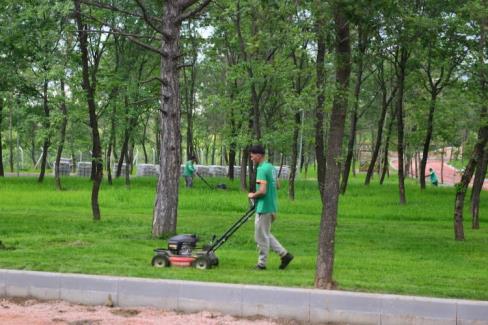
(257, 148)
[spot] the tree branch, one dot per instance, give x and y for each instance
(116, 33)
(147, 18)
(151, 79)
(117, 9)
(131, 38)
(194, 12)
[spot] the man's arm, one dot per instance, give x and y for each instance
(261, 192)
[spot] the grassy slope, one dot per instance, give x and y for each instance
(381, 246)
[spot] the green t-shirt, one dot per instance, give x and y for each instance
(268, 202)
(189, 168)
(433, 177)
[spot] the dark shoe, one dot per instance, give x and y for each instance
(260, 267)
(285, 260)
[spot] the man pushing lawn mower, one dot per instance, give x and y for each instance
(189, 170)
(266, 206)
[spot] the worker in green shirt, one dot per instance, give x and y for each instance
(266, 207)
(189, 170)
(433, 177)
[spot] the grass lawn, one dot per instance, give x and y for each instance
(381, 246)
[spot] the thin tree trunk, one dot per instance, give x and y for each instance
(157, 132)
(320, 23)
(480, 146)
(190, 97)
(416, 167)
(111, 144)
(143, 142)
(46, 124)
(244, 160)
(122, 158)
(428, 138)
(214, 148)
(232, 160)
(125, 144)
(89, 88)
(326, 249)
(462, 187)
(299, 84)
(400, 116)
(408, 166)
(33, 146)
(127, 169)
(350, 150)
(479, 179)
(62, 136)
(11, 140)
(233, 144)
(362, 45)
(294, 157)
(442, 165)
(387, 145)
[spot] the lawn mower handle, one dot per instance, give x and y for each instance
(215, 245)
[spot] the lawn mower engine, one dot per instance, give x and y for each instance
(182, 244)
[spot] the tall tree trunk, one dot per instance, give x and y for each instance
(379, 132)
(428, 138)
(166, 203)
(294, 156)
(350, 151)
(362, 45)
(416, 167)
(244, 163)
(386, 164)
(326, 249)
(442, 164)
(33, 147)
(232, 160)
(122, 157)
(320, 23)
(479, 179)
(462, 187)
(127, 168)
(2, 172)
(233, 144)
(213, 148)
(11, 140)
(299, 84)
(62, 135)
(47, 125)
(401, 70)
(190, 97)
(111, 144)
(125, 144)
(480, 146)
(89, 89)
(143, 142)
(157, 132)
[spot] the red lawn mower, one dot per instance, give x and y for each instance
(182, 249)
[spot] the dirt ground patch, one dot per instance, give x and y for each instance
(17, 311)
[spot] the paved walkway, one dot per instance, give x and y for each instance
(450, 175)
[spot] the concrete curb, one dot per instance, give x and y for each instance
(309, 305)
